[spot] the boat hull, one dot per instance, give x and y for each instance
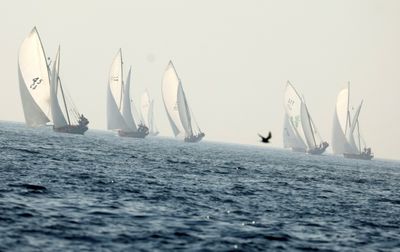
(194, 139)
(363, 156)
(72, 129)
(137, 134)
(318, 150)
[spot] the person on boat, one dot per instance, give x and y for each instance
(83, 121)
(143, 128)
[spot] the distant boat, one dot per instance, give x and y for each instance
(147, 110)
(346, 139)
(39, 91)
(300, 133)
(119, 113)
(176, 105)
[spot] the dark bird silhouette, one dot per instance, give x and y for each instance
(265, 139)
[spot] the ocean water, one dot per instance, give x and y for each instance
(99, 192)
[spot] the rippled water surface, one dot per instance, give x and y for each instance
(102, 192)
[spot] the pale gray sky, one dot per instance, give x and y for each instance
(234, 58)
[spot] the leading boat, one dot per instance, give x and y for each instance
(39, 90)
(300, 132)
(346, 137)
(119, 113)
(60, 123)
(176, 105)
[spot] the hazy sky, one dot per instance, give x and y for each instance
(233, 57)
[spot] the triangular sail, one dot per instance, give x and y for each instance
(152, 125)
(169, 90)
(341, 122)
(56, 112)
(34, 81)
(290, 139)
(145, 109)
(126, 104)
(184, 112)
(294, 109)
(114, 95)
(147, 112)
(136, 114)
(351, 139)
(307, 127)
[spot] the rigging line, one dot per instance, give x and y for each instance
(65, 103)
(74, 110)
(69, 98)
(361, 137)
(194, 118)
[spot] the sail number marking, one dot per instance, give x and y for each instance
(290, 104)
(35, 83)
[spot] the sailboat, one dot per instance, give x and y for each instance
(119, 113)
(60, 123)
(39, 88)
(176, 105)
(300, 133)
(346, 139)
(147, 110)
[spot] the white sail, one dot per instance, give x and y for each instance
(294, 109)
(145, 108)
(147, 112)
(169, 88)
(136, 114)
(307, 127)
(114, 95)
(126, 104)
(184, 112)
(56, 112)
(152, 125)
(34, 81)
(290, 139)
(355, 148)
(341, 123)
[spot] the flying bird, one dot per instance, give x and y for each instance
(265, 139)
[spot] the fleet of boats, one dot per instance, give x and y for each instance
(42, 92)
(119, 112)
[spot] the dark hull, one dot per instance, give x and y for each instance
(72, 129)
(316, 151)
(193, 139)
(363, 156)
(136, 134)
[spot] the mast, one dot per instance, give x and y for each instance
(65, 104)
